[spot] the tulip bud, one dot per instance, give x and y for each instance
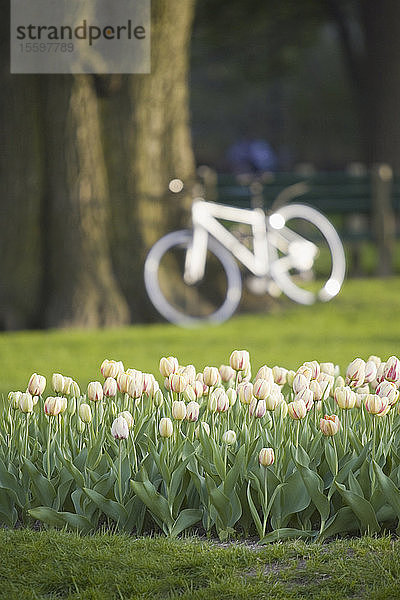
(203, 426)
(239, 360)
(66, 386)
(355, 373)
(36, 385)
(261, 389)
(229, 437)
(178, 410)
(198, 388)
(227, 374)
(192, 411)
(128, 418)
(326, 383)
(95, 391)
(376, 405)
(64, 404)
(120, 429)
(315, 368)
(178, 383)
(307, 396)
(260, 409)
(123, 380)
(211, 376)
(273, 400)
(345, 397)
(300, 382)
(190, 373)
(135, 383)
(339, 382)
(245, 392)
(80, 425)
(370, 371)
(26, 403)
(375, 359)
(212, 403)
(111, 368)
(75, 390)
(168, 366)
(316, 390)
(110, 387)
(232, 395)
(200, 379)
(290, 375)
(189, 394)
(297, 409)
(281, 410)
(305, 370)
(148, 385)
(387, 389)
(222, 400)
(53, 406)
(158, 399)
(166, 428)
(85, 412)
(266, 457)
(328, 368)
(265, 372)
(329, 425)
(57, 383)
(391, 371)
(14, 398)
(279, 375)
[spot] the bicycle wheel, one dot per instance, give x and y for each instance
(213, 299)
(307, 256)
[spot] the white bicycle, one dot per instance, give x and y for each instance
(192, 277)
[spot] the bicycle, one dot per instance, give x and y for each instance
(192, 277)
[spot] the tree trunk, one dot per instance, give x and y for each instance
(21, 189)
(150, 115)
(79, 287)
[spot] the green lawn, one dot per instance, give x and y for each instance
(50, 565)
(363, 320)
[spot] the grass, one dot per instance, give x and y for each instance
(362, 320)
(50, 564)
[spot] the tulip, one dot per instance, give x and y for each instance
(75, 390)
(376, 405)
(261, 389)
(123, 381)
(178, 383)
(64, 404)
(13, 398)
(222, 400)
(128, 418)
(158, 399)
(244, 375)
(203, 426)
(226, 373)
(189, 394)
(307, 397)
(329, 425)
(245, 392)
(281, 410)
(200, 379)
(273, 400)
(211, 376)
(326, 383)
(376, 359)
(315, 368)
(232, 396)
(198, 388)
(26, 403)
(149, 384)
(315, 388)
(212, 403)
(53, 406)
(305, 370)
(166, 428)
(260, 410)
(300, 382)
(120, 429)
(85, 412)
(355, 373)
(229, 437)
(387, 389)
(328, 368)
(110, 387)
(192, 411)
(265, 372)
(370, 371)
(266, 457)
(36, 385)
(339, 382)
(297, 409)
(111, 368)
(345, 397)
(190, 373)
(95, 391)
(391, 371)
(67, 385)
(57, 383)
(168, 365)
(134, 383)
(279, 374)
(239, 360)
(179, 410)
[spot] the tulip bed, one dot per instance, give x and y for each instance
(280, 454)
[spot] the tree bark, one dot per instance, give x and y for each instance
(150, 115)
(80, 288)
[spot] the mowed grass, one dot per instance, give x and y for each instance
(362, 320)
(50, 565)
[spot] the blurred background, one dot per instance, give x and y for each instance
(288, 92)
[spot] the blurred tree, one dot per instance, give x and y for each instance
(85, 164)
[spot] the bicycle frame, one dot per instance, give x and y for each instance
(205, 217)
